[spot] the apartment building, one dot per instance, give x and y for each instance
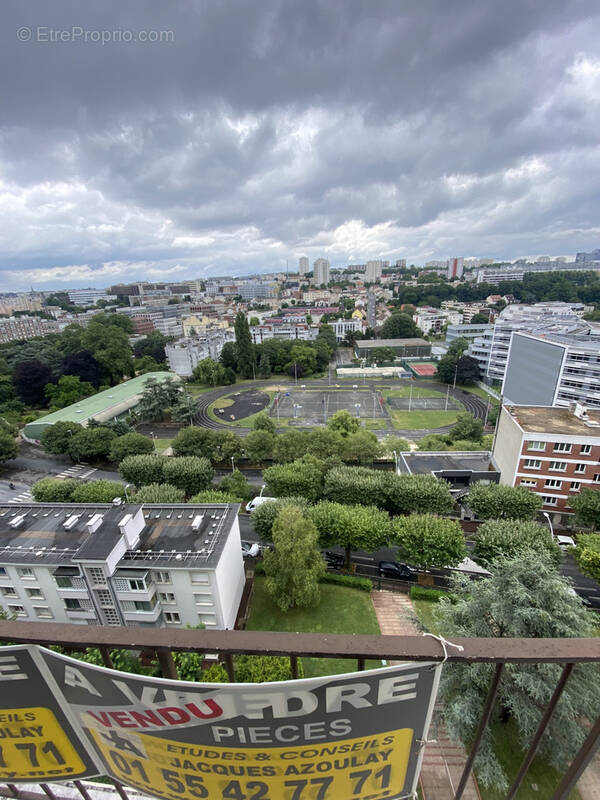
(128, 564)
(432, 320)
(517, 271)
(282, 329)
(320, 271)
(19, 302)
(553, 451)
(491, 349)
(88, 297)
(184, 355)
(373, 271)
(342, 327)
(15, 329)
(303, 266)
(466, 331)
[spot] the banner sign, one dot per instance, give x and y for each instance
(355, 736)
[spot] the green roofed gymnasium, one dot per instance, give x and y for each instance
(102, 406)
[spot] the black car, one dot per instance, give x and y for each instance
(333, 560)
(392, 569)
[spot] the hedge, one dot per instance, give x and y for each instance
(421, 593)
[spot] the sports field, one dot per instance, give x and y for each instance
(315, 406)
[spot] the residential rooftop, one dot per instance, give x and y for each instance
(426, 463)
(368, 344)
(172, 535)
(552, 419)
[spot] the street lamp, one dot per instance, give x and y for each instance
(154, 442)
(262, 488)
(127, 486)
(549, 521)
(232, 465)
(357, 407)
(395, 459)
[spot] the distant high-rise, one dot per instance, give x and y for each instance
(321, 271)
(373, 271)
(455, 268)
(401, 262)
(303, 267)
(371, 309)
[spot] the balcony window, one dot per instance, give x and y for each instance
(136, 586)
(64, 583)
(72, 605)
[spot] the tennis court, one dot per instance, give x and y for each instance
(315, 407)
(423, 403)
(423, 370)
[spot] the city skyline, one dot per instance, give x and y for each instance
(251, 136)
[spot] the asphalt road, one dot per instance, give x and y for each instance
(585, 587)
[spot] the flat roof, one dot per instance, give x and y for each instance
(552, 419)
(425, 463)
(99, 403)
(370, 343)
(167, 538)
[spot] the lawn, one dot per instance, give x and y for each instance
(480, 393)
(416, 392)
(163, 444)
(419, 420)
(341, 610)
(424, 610)
(196, 389)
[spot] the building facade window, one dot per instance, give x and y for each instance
(552, 483)
(64, 583)
(575, 486)
(43, 612)
(532, 463)
(580, 467)
(25, 573)
(549, 500)
(536, 445)
(558, 466)
(9, 591)
(19, 611)
(72, 604)
(137, 586)
(35, 594)
(162, 577)
(526, 482)
(597, 477)
(562, 447)
(585, 449)
(166, 597)
(199, 577)
(172, 617)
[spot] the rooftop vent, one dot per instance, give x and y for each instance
(70, 522)
(197, 522)
(16, 522)
(94, 523)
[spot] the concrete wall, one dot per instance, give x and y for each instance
(507, 446)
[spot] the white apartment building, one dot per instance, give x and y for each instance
(303, 265)
(455, 267)
(432, 320)
(286, 330)
(88, 297)
(490, 350)
(342, 327)
(320, 271)
(129, 565)
(373, 271)
(15, 329)
(184, 354)
(20, 302)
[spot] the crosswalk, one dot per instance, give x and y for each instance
(24, 497)
(81, 471)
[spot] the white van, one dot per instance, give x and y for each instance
(256, 502)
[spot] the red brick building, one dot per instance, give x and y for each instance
(553, 451)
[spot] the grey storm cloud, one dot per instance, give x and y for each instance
(255, 132)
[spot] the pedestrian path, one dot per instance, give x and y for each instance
(443, 760)
(80, 471)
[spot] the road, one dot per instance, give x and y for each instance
(585, 587)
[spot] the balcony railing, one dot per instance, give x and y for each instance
(357, 648)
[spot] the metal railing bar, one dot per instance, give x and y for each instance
(14, 789)
(294, 666)
(230, 667)
(47, 791)
(120, 789)
(82, 790)
(360, 664)
(389, 648)
(106, 657)
(579, 763)
(483, 721)
(535, 743)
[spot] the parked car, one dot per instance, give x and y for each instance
(333, 560)
(250, 549)
(583, 599)
(564, 542)
(256, 502)
(392, 569)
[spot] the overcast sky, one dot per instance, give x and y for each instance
(259, 131)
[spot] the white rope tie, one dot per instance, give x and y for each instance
(445, 645)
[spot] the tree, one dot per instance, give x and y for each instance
(156, 397)
(479, 319)
(106, 338)
(185, 408)
(399, 326)
(264, 516)
(263, 422)
(587, 554)
(142, 470)
(236, 485)
(97, 492)
(495, 501)
(351, 527)
(468, 371)
(194, 441)
(427, 541)
(246, 355)
(303, 361)
(130, 444)
(353, 485)
(152, 345)
(509, 538)
(9, 447)
(147, 364)
(91, 444)
(434, 442)
(525, 598)
(290, 446)
(325, 443)
(56, 438)
(189, 473)
(264, 366)
(381, 354)
(228, 357)
(587, 507)
(327, 335)
(214, 496)
(68, 390)
(467, 427)
(30, 379)
(210, 373)
(258, 445)
(159, 493)
(54, 490)
(293, 568)
(414, 494)
(362, 447)
(300, 478)
(82, 364)
(343, 422)
(391, 443)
